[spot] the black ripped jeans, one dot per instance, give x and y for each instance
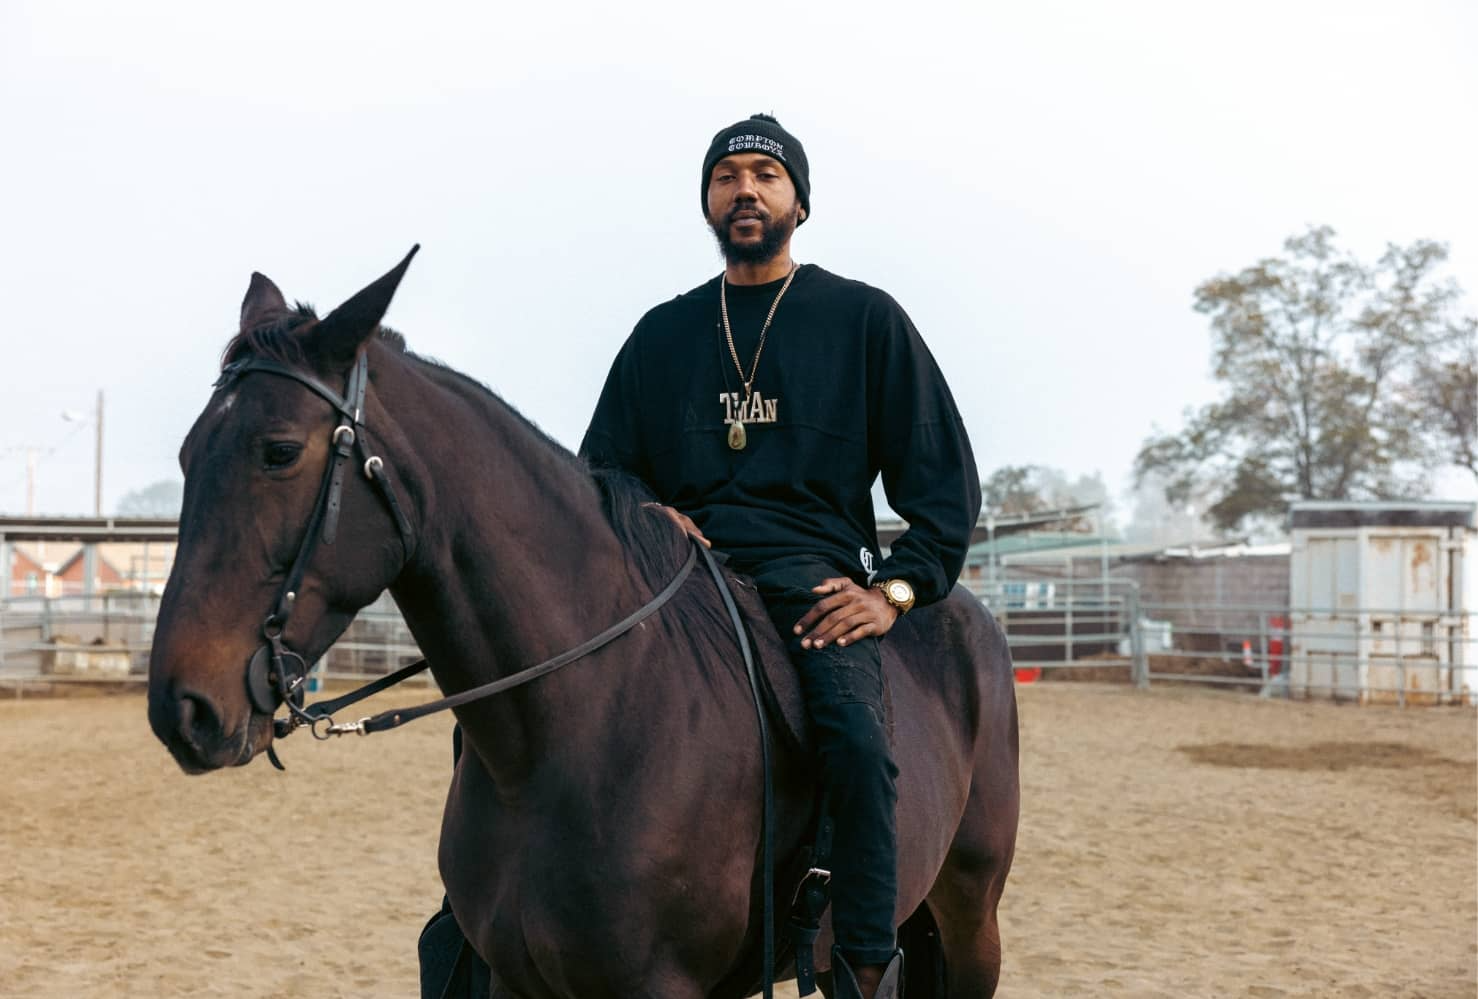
(843, 688)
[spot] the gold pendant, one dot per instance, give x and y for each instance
(737, 436)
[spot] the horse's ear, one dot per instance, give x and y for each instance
(262, 299)
(338, 337)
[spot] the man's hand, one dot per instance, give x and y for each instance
(848, 613)
(681, 520)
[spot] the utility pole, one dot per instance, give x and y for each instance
(97, 498)
(30, 482)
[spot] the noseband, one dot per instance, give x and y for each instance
(276, 673)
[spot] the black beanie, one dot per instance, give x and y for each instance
(760, 133)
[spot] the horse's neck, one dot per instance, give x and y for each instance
(515, 563)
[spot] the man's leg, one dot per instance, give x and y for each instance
(450, 969)
(843, 688)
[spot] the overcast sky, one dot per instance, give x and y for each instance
(1041, 185)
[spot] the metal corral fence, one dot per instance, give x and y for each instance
(1100, 629)
(107, 638)
(1071, 624)
(1069, 628)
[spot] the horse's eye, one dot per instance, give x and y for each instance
(281, 454)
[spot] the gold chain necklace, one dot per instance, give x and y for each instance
(738, 437)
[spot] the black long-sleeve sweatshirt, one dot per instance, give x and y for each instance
(845, 390)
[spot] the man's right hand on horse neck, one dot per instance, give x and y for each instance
(681, 520)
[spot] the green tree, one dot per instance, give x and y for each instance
(1154, 519)
(1446, 397)
(159, 499)
(1019, 489)
(1323, 361)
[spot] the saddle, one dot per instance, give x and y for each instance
(780, 687)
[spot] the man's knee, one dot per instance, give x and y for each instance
(855, 749)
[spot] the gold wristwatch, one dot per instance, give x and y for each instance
(898, 593)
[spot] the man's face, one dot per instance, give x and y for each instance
(752, 207)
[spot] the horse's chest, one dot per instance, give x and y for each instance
(595, 929)
(566, 906)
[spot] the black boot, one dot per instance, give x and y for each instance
(845, 982)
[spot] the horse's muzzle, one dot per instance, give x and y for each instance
(191, 728)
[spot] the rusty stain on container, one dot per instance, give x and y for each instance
(1416, 691)
(1421, 556)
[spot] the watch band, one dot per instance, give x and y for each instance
(902, 605)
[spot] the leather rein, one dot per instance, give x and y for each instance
(276, 674)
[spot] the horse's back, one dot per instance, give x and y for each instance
(954, 703)
(956, 654)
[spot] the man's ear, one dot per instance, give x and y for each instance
(336, 340)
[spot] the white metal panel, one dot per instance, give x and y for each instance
(1465, 634)
(1346, 574)
(1382, 589)
(1404, 647)
(1332, 573)
(1324, 645)
(1385, 605)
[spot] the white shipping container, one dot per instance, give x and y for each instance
(1383, 602)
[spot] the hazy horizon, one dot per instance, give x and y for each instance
(1041, 186)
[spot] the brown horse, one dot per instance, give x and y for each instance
(602, 831)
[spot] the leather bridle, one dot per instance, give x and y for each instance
(276, 674)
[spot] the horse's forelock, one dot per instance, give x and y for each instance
(280, 338)
(275, 339)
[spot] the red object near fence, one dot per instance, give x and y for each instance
(1277, 634)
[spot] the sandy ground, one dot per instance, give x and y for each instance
(1174, 843)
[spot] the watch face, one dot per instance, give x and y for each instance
(900, 591)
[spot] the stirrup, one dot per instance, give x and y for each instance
(844, 983)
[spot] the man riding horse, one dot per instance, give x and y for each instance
(609, 830)
(760, 408)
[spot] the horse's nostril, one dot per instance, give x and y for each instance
(199, 725)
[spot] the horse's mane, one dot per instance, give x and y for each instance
(651, 540)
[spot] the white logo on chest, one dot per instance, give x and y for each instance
(755, 409)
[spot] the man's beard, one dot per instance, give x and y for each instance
(774, 232)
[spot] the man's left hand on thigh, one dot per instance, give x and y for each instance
(845, 613)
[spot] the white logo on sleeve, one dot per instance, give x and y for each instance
(867, 566)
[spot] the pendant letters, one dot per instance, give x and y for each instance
(755, 409)
(739, 411)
